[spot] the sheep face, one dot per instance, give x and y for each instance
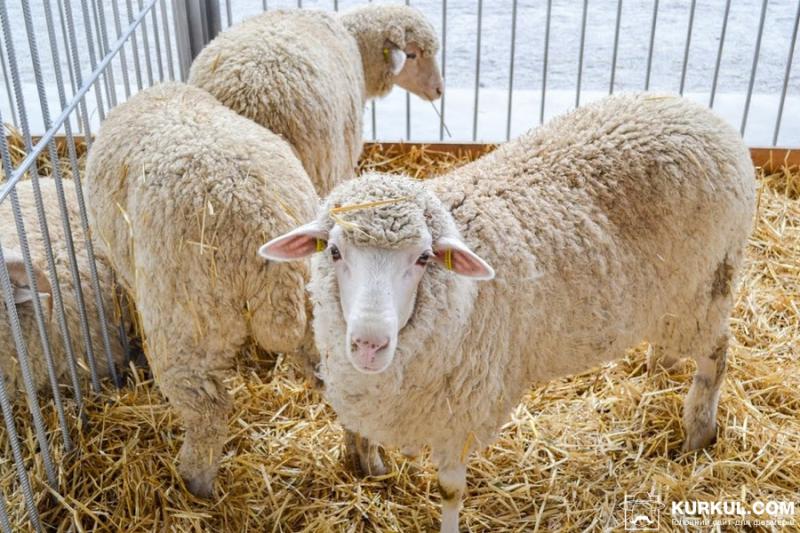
(417, 72)
(377, 291)
(378, 262)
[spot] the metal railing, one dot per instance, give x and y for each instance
(81, 61)
(509, 65)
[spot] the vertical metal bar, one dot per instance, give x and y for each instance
(444, 67)
(182, 40)
(335, 5)
(157, 40)
(544, 62)
(62, 20)
(92, 58)
(102, 51)
(374, 121)
(7, 81)
(30, 386)
(146, 48)
(167, 40)
(786, 77)
(123, 60)
(56, 170)
(299, 4)
(76, 180)
(616, 48)
(197, 25)
(719, 53)
(137, 66)
(408, 105)
(477, 72)
(84, 114)
(264, 5)
(101, 21)
(88, 137)
(213, 20)
(686, 48)
(653, 25)
(511, 67)
(755, 66)
(229, 13)
(5, 523)
(5, 403)
(580, 53)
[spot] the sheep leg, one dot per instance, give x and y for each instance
(203, 404)
(700, 406)
(452, 483)
(363, 457)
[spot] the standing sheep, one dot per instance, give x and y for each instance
(23, 295)
(621, 221)
(307, 75)
(182, 192)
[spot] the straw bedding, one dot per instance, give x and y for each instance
(571, 451)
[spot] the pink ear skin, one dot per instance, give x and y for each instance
(19, 280)
(454, 255)
(297, 244)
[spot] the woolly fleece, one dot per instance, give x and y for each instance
(184, 191)
(307, 75)
(607, 226)
(10, 240)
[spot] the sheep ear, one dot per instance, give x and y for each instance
(397, 60)
(23, 292)
(454, 255)
(297, 244)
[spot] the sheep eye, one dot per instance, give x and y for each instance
(411, 55)
(335, 253)
(423, 259)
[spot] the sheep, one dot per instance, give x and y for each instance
(23, 293)
(622, 221)
(307, 75)
(182, 189)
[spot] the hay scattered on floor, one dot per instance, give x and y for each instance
(570, 452)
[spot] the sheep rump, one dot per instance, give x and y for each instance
(310, 90)
(307, 75)
(184, 191)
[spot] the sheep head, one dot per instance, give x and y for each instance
(384, 240)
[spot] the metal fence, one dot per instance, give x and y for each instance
(66, 62)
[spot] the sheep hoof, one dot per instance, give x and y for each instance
(700, 439)
(200, 485)
(363, 457)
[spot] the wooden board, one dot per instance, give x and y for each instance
(769, 158)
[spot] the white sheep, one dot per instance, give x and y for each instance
(307, 75)
(182, 190)
(23, 295)
(621, 221)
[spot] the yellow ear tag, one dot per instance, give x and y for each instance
(386, 54)
(448, 259)
(321, 245)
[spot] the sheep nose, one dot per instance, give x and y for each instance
(439, 91)
(367, 347)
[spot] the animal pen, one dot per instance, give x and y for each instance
(97, 454)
